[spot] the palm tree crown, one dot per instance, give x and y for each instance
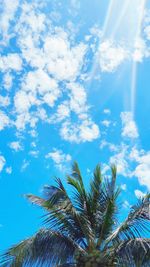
(81, 229)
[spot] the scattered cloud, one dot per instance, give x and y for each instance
(80, 132)
(8, 13)
(34, 153)
(16, 146)
(111, 55)
(2, 162)
(139, 194)
(9, 170)
(25, 164)
(121, 162)
(130, 162)
(7, 81)
(4, 101)
(112, 147)
(51, 64)
(126, 204)
(142, 170)
(140, 50)
(107, 111)
(129, 128)
(11, 62)
(4, 120)
(59, 158)
(106, 123)
(123, 187)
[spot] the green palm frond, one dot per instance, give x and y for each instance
(82, 202)
(76, 181)
(46, 245)
(110, 205)
(62, 214)
(95, 192)
(137, 222)
(136, 251)
(82, 227)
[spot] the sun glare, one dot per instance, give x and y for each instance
(122, 25)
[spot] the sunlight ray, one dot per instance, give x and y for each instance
(134, 63)
(133, 86)
(107, 17)
(121, 16)
(104, 28)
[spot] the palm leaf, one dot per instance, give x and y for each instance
(136, 224)
(46, 246)
(134, 251)
(109, 214)
(62, 214)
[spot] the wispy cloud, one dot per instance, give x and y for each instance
(59, 158)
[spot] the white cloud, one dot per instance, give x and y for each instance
(75, 4)
(139, 194)
(22, 102)
(7, 15)
(22, 120)
(10, 62)
(9, 170)
(85, 131)
(140, 50)
(16, 146)
(4, 120)
(34, 153)
(7, 80)
(132, 162)
(112, 147)
(63, 62)
(63, 111)
(4, 101)
(50, 63)
(77, 98)
(121, 163)
(123, 187)
(147, 32)
(146, 27)
(39, 82)
(2, 162)
(126, 204)
(106, 123)
(129, 128)
(105, 169)
(120, 159)
(111, 56)
(142, 159)
(142, 171)
(60, 159)
(107, 111)
(135, 154)
(25, 164)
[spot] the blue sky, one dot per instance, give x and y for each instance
(74, 86)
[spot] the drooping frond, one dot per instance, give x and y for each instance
(134, 252)
(45, 246)
(62, 214)
(137, 222)
(81, 226)
(53, 195)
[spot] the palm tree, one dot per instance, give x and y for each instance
(81, 228)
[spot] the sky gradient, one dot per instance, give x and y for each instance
(74, 85)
